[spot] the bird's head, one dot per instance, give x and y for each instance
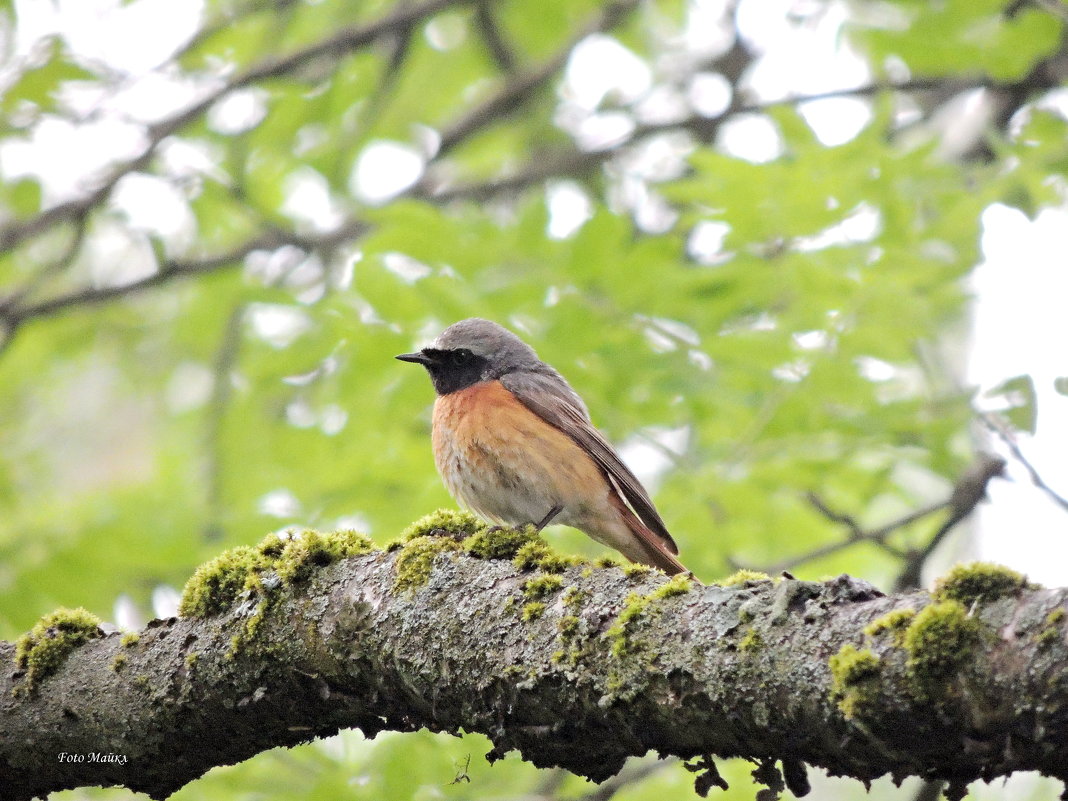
(471, 351)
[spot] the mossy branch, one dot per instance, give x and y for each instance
(298, 639)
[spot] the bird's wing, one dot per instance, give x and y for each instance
(551, 398)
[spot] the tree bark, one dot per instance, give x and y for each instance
(611, 669)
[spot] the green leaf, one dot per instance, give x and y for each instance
(1018, 394)
(24, 197)
(38, 83)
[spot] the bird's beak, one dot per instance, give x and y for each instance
(416, 358)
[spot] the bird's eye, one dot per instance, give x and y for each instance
(461, 356)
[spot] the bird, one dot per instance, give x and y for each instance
(514, 443)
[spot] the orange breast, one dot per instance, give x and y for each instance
(502, 460)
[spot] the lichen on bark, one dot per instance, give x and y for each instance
(621, 663)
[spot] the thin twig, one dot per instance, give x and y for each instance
(969, 490)
(346, 40)
(378, 99)
(930, 790)
(575, 162)
(626, 777)
(876, 536)
(225, 358)
(58, 265)
(271, 240)
(523, 85)
(551, 780)
(1054, 7)
(398, 24)
(493, 37)
(999, 429)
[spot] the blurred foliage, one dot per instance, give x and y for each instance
(749, 330)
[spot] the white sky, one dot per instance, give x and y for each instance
(1021, 326)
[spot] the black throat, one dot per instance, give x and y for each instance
(451, 371)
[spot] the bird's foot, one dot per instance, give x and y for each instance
(549, 517)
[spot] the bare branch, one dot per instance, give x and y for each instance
(1005, 435)
(577, 163)
(521, 87)
(493, 37)
(876, 536)
(1053, 7)
(345, 41)
(399, 25)
(628, 776)
(177, 268)
(969, 490)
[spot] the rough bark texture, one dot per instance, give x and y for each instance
(605, 672)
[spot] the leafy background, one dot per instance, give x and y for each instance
(211, 253)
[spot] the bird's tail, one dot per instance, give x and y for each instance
(647, 547)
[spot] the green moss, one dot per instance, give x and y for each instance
(606, 561)
(679, 584)
(255, 620)
(568, 626)
(460, 524)
(636, 569)
(896, 622)
(416, 559)
(45, 647)
(119, 662)
(302, 553)
(940, 641)
(541, 587)
(502, 543)
(527, 557)
(533, 611)
(752, 641)
(638, 606)
(573, 598)
(129, 639)
(215, 585)
(854, 678)
(742, 576)
(191, 659)
(1051, 628)
(980, 581)
(537, 555)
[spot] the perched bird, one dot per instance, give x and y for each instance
(514, 443)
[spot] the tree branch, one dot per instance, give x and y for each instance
(522, 86)
(510, 96)
(969, 490)
(177, 268)
(577, 163)
(609, 667)
(1005, 435)
(344, 41)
